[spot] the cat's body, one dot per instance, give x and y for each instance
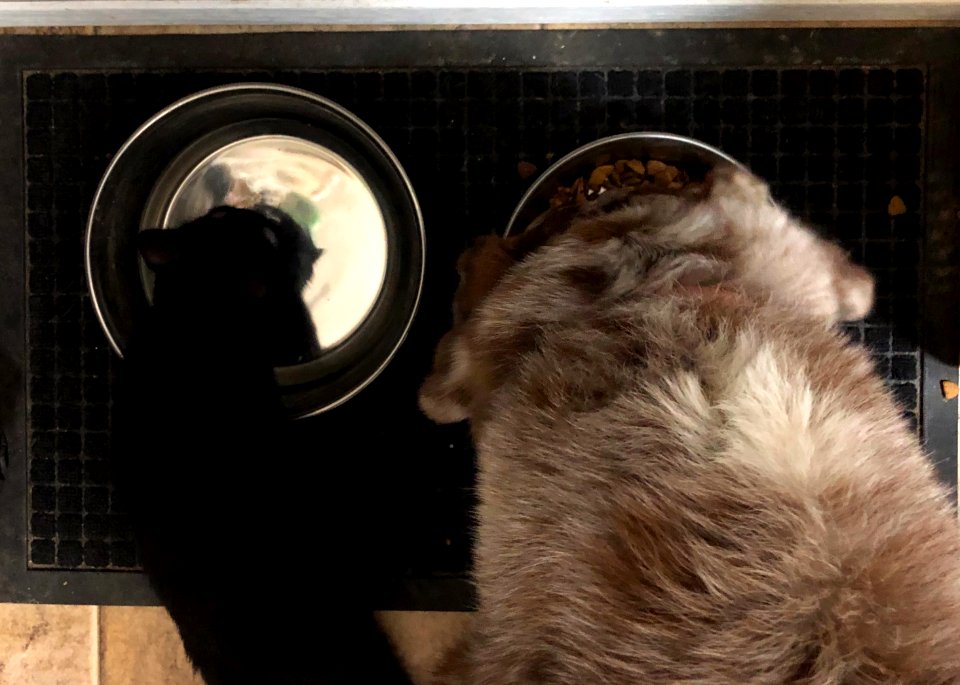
(239, 535)
(686, 475)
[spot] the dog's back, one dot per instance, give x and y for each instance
(687, 475)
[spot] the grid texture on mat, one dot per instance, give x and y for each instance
(836, 145)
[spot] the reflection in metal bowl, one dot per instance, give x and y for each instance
(325, 195)
(254, 144)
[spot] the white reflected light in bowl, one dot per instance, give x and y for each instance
(325, 195)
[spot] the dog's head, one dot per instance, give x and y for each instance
(573, 261)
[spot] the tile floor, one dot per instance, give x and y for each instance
(88, 645)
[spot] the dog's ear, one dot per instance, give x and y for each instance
(776, 253)
(446, 396)
(854, 285)
(486, 262)
(458, 376)
(481, 267)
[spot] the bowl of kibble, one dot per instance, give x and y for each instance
(642, 161)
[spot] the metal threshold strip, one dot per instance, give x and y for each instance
(47, 13)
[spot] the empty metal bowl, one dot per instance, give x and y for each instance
(249, 145)
(693, 156)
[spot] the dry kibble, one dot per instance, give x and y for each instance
(600, 175)
(655, 166)
(526, 169)
(663, 179)
(627, 174)
(896, 206)
(949, 389)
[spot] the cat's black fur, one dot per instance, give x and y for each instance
(225, 490)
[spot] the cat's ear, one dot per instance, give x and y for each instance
(158, 247)
(271, 235)
(313, 252)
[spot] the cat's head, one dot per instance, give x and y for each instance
(630, 245)
(238, 272)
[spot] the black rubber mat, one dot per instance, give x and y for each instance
(838, 145)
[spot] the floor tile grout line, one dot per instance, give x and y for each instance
(96, 640)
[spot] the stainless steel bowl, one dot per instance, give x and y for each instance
(320, 189)
(693, 156)
(249, 145)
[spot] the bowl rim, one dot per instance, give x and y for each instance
(96, 293)
(662, 136)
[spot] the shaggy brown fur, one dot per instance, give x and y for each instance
(686, 475)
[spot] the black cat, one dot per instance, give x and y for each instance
(226, 492)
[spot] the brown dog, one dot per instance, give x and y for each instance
(686, 474)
